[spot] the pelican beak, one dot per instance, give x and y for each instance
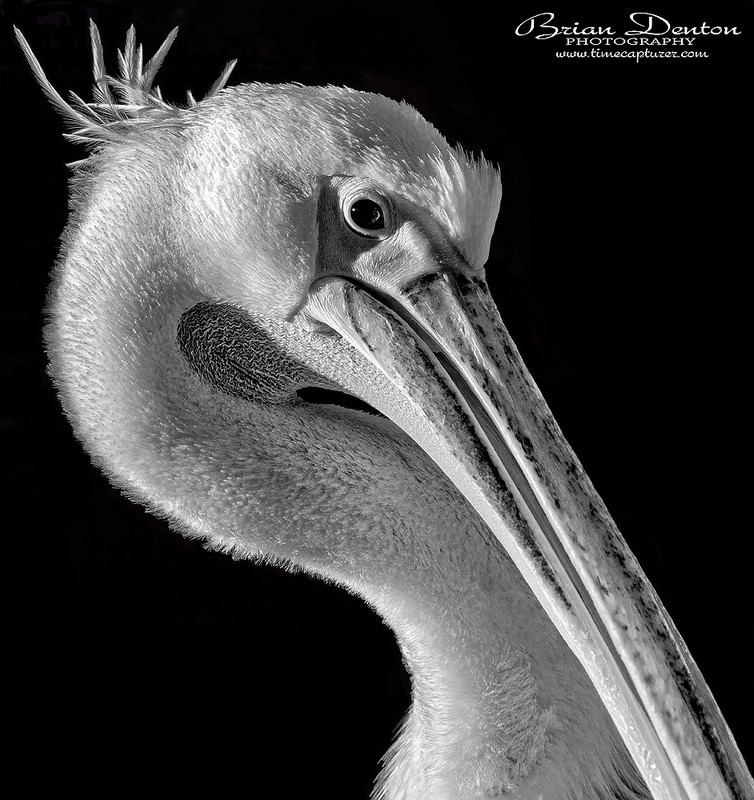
(459, 388)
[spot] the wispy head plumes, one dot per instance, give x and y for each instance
(119, 104)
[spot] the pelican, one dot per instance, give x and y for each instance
(224, 256)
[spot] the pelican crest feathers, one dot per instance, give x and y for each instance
(120, 104)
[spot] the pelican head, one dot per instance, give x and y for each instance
(222, 257)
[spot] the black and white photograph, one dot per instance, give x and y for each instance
(374, 404)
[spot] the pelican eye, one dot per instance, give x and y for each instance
(367, 216)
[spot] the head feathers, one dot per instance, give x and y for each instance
(317, 131)
(330, 130)
(119, 103)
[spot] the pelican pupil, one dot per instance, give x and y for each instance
(368, 215)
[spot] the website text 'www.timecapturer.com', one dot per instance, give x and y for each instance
(636, 55)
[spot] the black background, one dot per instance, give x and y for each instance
(619, 263)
